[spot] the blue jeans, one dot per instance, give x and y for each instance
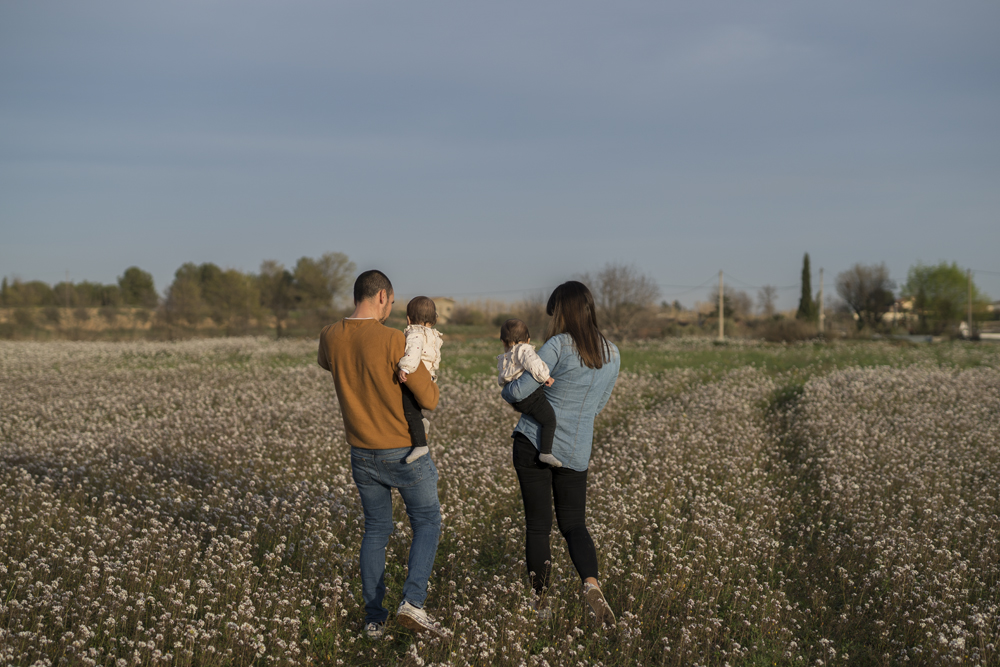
(376, 473)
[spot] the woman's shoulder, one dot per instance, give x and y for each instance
(559, 341)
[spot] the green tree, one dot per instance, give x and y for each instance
(86, 294)
(66, 295)
(808, 310)
(277, 291)
(320, 283)
(867, 290)
(214, 288)
(229, 297)
(137, 288)
(235, 297)
(31, 293)
(940, 294)
(4, 288)
(184, 299)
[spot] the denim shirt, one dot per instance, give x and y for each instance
(577, 395)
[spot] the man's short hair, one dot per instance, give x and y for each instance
(369, 284)
(421, 309)
(514, 331)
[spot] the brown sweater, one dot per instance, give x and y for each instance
(362, 356)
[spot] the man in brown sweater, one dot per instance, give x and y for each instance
(361, 353)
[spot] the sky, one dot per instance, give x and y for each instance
(493, 150)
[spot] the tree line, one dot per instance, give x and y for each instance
(935, 298)
(134, 288)
(230, 298)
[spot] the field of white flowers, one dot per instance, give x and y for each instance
(192, 504)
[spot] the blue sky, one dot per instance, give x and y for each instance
(491, 149)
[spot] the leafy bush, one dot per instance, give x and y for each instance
(463, 315)
(788, 331)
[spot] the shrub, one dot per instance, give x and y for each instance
(110, 314)
(467, 316)
(788, 331)
(24, 317)
(52, 314)
(501, 318)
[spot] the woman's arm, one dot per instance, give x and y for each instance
(617, 361)
(533, 363)
(524, 386)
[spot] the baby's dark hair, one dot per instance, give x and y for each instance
(421, 310)
(514, 331)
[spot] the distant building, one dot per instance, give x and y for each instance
(902, 312)
(445, 306)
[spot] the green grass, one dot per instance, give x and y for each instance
(476, 356)
(471, 356)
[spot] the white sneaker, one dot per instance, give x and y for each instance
(541, 607)
(418, 620)
(595, 598)
(374, 630)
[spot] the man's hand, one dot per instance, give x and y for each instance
(551, 381)
(402, 376)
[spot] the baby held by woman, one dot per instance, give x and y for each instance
(519, 356)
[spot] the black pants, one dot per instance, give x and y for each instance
(540, 484)
(536, 406)
(414, 418)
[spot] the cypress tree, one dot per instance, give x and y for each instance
(807, 307)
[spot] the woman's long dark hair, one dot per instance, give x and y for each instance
(571, 307)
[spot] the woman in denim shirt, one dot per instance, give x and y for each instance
(585, 367)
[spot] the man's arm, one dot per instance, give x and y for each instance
(323, 359)
(424, 389)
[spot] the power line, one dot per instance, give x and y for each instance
(746, 284)
(551, 287)
(687, 289)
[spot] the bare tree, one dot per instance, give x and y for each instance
(867, 290)
(735, 303)
(531, 309)
(622, 294)
(741, 302)
(766, 296)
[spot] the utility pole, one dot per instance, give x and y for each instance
(968, 273)
(721, 303)
(820, 299)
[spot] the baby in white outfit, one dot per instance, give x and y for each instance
(519, 356)
(423, 346)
